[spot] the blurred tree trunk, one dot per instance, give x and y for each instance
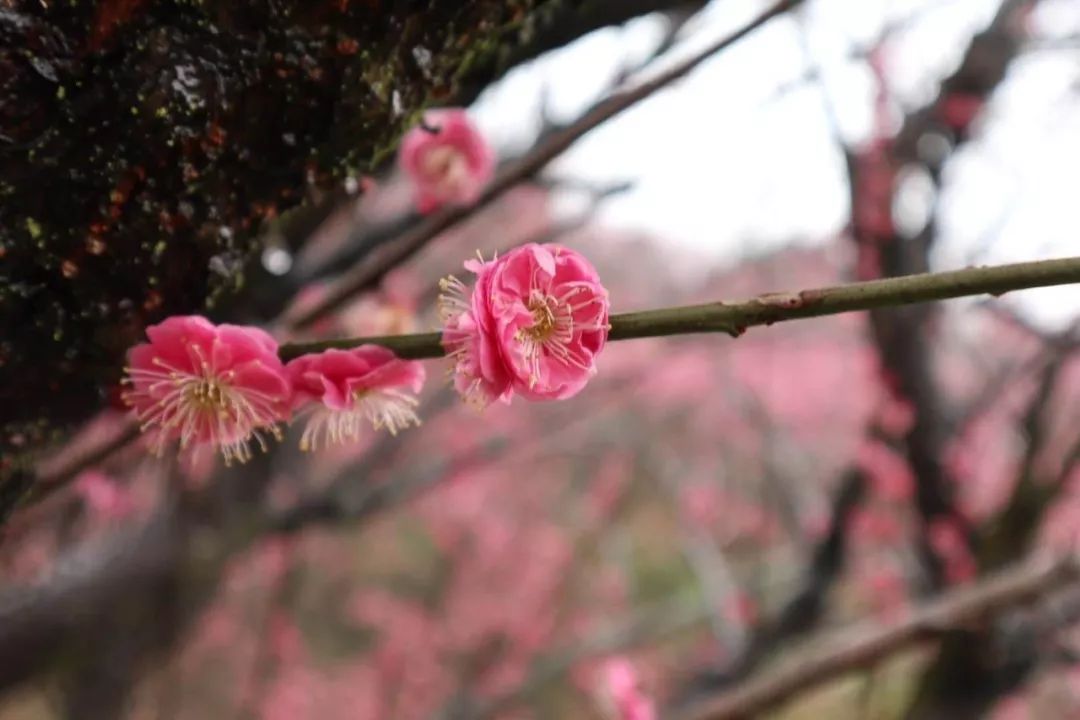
(978, 664)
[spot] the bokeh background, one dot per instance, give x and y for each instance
(707, 505)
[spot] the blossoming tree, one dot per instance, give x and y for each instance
(632, 493)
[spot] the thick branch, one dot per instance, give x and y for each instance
(865, 646)
(771, 308)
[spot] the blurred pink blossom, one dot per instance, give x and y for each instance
(103, 497)
(895, 416)
(447, 159)
(742, 609)
(888, 472)
(1013, 707)
(622, 688)
(886, 588)
(947, 539)
(701, 503)
(874, 525)
(959, 109)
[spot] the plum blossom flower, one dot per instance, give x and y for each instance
(205, 384)
(533, 325)
(365, 384)
(622, 688)
(447, 160)
(103, 497)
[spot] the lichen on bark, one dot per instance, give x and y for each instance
(144, 146)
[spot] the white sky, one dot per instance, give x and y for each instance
(740, 156)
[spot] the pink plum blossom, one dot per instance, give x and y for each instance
(889, 474)
(447, 160)
(104, 497)
(219, 385)
(533, 325)
(623, 689)
(352, 387)
(946, 537)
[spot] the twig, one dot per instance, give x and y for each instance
(771, 308)
(368, 274)
(50, 481)
(868, 644)
(802, 610)
(713, 317)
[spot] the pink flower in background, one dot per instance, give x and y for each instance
(534, 324)
(959, 109)
(888, 472)
(701, 504)
(366, 384)
(742, 609)
(885, 587)
(895, 416)
(946, 537)
(447, 159)
(221, 385)
(622, 688)
(104, 497)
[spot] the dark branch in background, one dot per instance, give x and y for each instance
(345, 500)
(270, 294)
(903, 338)
(363, 240)
(1055, 347)
(368, 275)
(132, 593)
(900, 333)
(1013, 530)
(858, 648)
(550, 26)
(963, 680)
(40, 625)
(803, 610)
(54, 479)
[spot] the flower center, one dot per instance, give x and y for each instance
(543, 310)
(207, 395)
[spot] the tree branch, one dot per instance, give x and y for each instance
(771, 308)
(803, 609)
(868, 644)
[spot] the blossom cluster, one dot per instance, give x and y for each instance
(533, 325)
(225, 386)
(622, 689)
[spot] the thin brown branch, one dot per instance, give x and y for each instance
(735, 318)
(866, 645)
